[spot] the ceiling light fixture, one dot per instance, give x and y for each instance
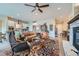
(59, 8)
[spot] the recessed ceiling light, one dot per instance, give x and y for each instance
(36, 13)
(59, 8)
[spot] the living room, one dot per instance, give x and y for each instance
(43, 26)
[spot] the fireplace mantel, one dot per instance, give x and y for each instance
(74, 19)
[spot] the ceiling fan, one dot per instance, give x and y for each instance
(37, 6)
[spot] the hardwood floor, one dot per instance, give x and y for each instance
(61, 49)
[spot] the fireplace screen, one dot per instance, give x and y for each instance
(76, 37)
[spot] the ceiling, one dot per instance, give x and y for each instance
(76, 10)
(20, 11)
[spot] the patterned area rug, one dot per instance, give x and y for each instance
(45, 48)
(48, 48)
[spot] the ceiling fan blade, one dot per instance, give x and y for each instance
(29, 5)
(40, 10)
(33, 10)
(44, 6)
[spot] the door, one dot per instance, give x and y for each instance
(76, 37)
